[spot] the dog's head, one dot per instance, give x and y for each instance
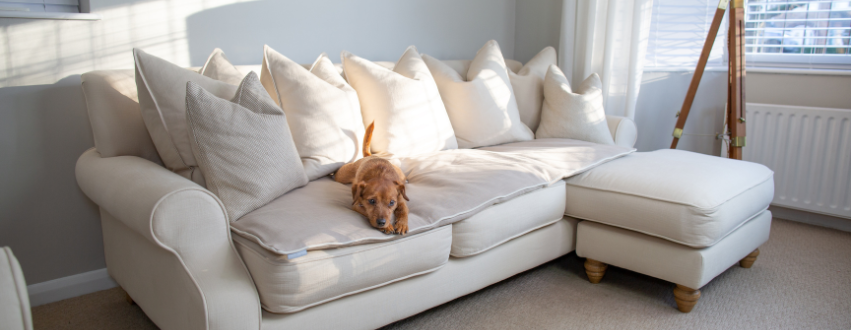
(377, 199)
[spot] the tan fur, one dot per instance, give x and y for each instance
(378, 189)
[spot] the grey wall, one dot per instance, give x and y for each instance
(537, 26)
(51, 226)
(662, 95)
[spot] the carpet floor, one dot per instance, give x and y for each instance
(801, 280)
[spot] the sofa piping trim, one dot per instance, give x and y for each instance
(549, 223)
(673, 240)
(712, 208)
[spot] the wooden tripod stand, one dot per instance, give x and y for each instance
(736, 77)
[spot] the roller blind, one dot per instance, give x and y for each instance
(62, 6)
(678, 29)
(778, 33)
(798, 33)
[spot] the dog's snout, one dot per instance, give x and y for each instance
(380, 222)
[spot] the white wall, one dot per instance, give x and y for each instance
(51, 226)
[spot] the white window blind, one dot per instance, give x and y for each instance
(678, 29)
(798, 33)
(54, 6)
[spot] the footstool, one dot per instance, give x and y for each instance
(675, 215)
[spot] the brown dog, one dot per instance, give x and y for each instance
(378, 189)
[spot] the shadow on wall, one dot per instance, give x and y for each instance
(378, 30)
(661, 97)
(43, 129)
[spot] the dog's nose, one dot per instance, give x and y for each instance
(380, 222)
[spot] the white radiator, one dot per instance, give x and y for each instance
(809, 150)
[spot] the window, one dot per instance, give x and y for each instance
(678, 29)
(778, 33)
(56, 6)
(798, 33)
(49, 9)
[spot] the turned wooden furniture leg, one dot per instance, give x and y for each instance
(748, 261)
(686, 298)
(595, 270)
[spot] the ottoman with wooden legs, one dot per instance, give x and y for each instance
(675, 215)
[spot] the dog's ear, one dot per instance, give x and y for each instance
(357, 191)
(401, 188)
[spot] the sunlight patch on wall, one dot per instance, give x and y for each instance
(45, 51)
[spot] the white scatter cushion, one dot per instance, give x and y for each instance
(219, 68)
(243, 146)
(322, 110)
(162, 99)
(409, 115)
(528, 84)
(481, 106)
(569, 115)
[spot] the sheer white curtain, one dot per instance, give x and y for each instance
(608, 37)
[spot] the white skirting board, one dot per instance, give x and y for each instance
(811, 218)
(69, 287)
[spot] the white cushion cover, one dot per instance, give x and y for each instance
(409, 115)
(322, 110)
(287, 286)
(528, 84)
(624, 132)
(14, 302)
(504, 221)
(162, 98)
(669, 261)
(219, 68)
(243, 146)
(480, 103)
(573, 115)
(684, 197)
(460, 276)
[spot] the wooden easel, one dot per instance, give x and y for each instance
(736, 77)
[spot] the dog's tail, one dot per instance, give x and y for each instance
(367, 139)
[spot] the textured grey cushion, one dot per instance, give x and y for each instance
(243, 146)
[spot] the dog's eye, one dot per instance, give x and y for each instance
(372, 201)
(392, 203)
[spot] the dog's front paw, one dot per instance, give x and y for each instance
(387, 230)
(402, 228)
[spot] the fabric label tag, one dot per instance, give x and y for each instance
(301, 253)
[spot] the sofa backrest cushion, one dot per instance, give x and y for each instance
(573, 113)
(243, 146)
(404, 103)
(113, 108)
(114, 113)
(220, 68)
(322, 110)
(528, 85)
(162, 99)
(480, 102)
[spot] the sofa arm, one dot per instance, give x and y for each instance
(187, 223)
(623, 130)
(14, 302)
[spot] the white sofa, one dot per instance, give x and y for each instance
(169, 244)
(14, 303)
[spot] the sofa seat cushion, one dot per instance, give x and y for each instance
(684, 197)
(287, 286)
(505, 221)
(443, 187)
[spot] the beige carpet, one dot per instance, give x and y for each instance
(802, 280)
